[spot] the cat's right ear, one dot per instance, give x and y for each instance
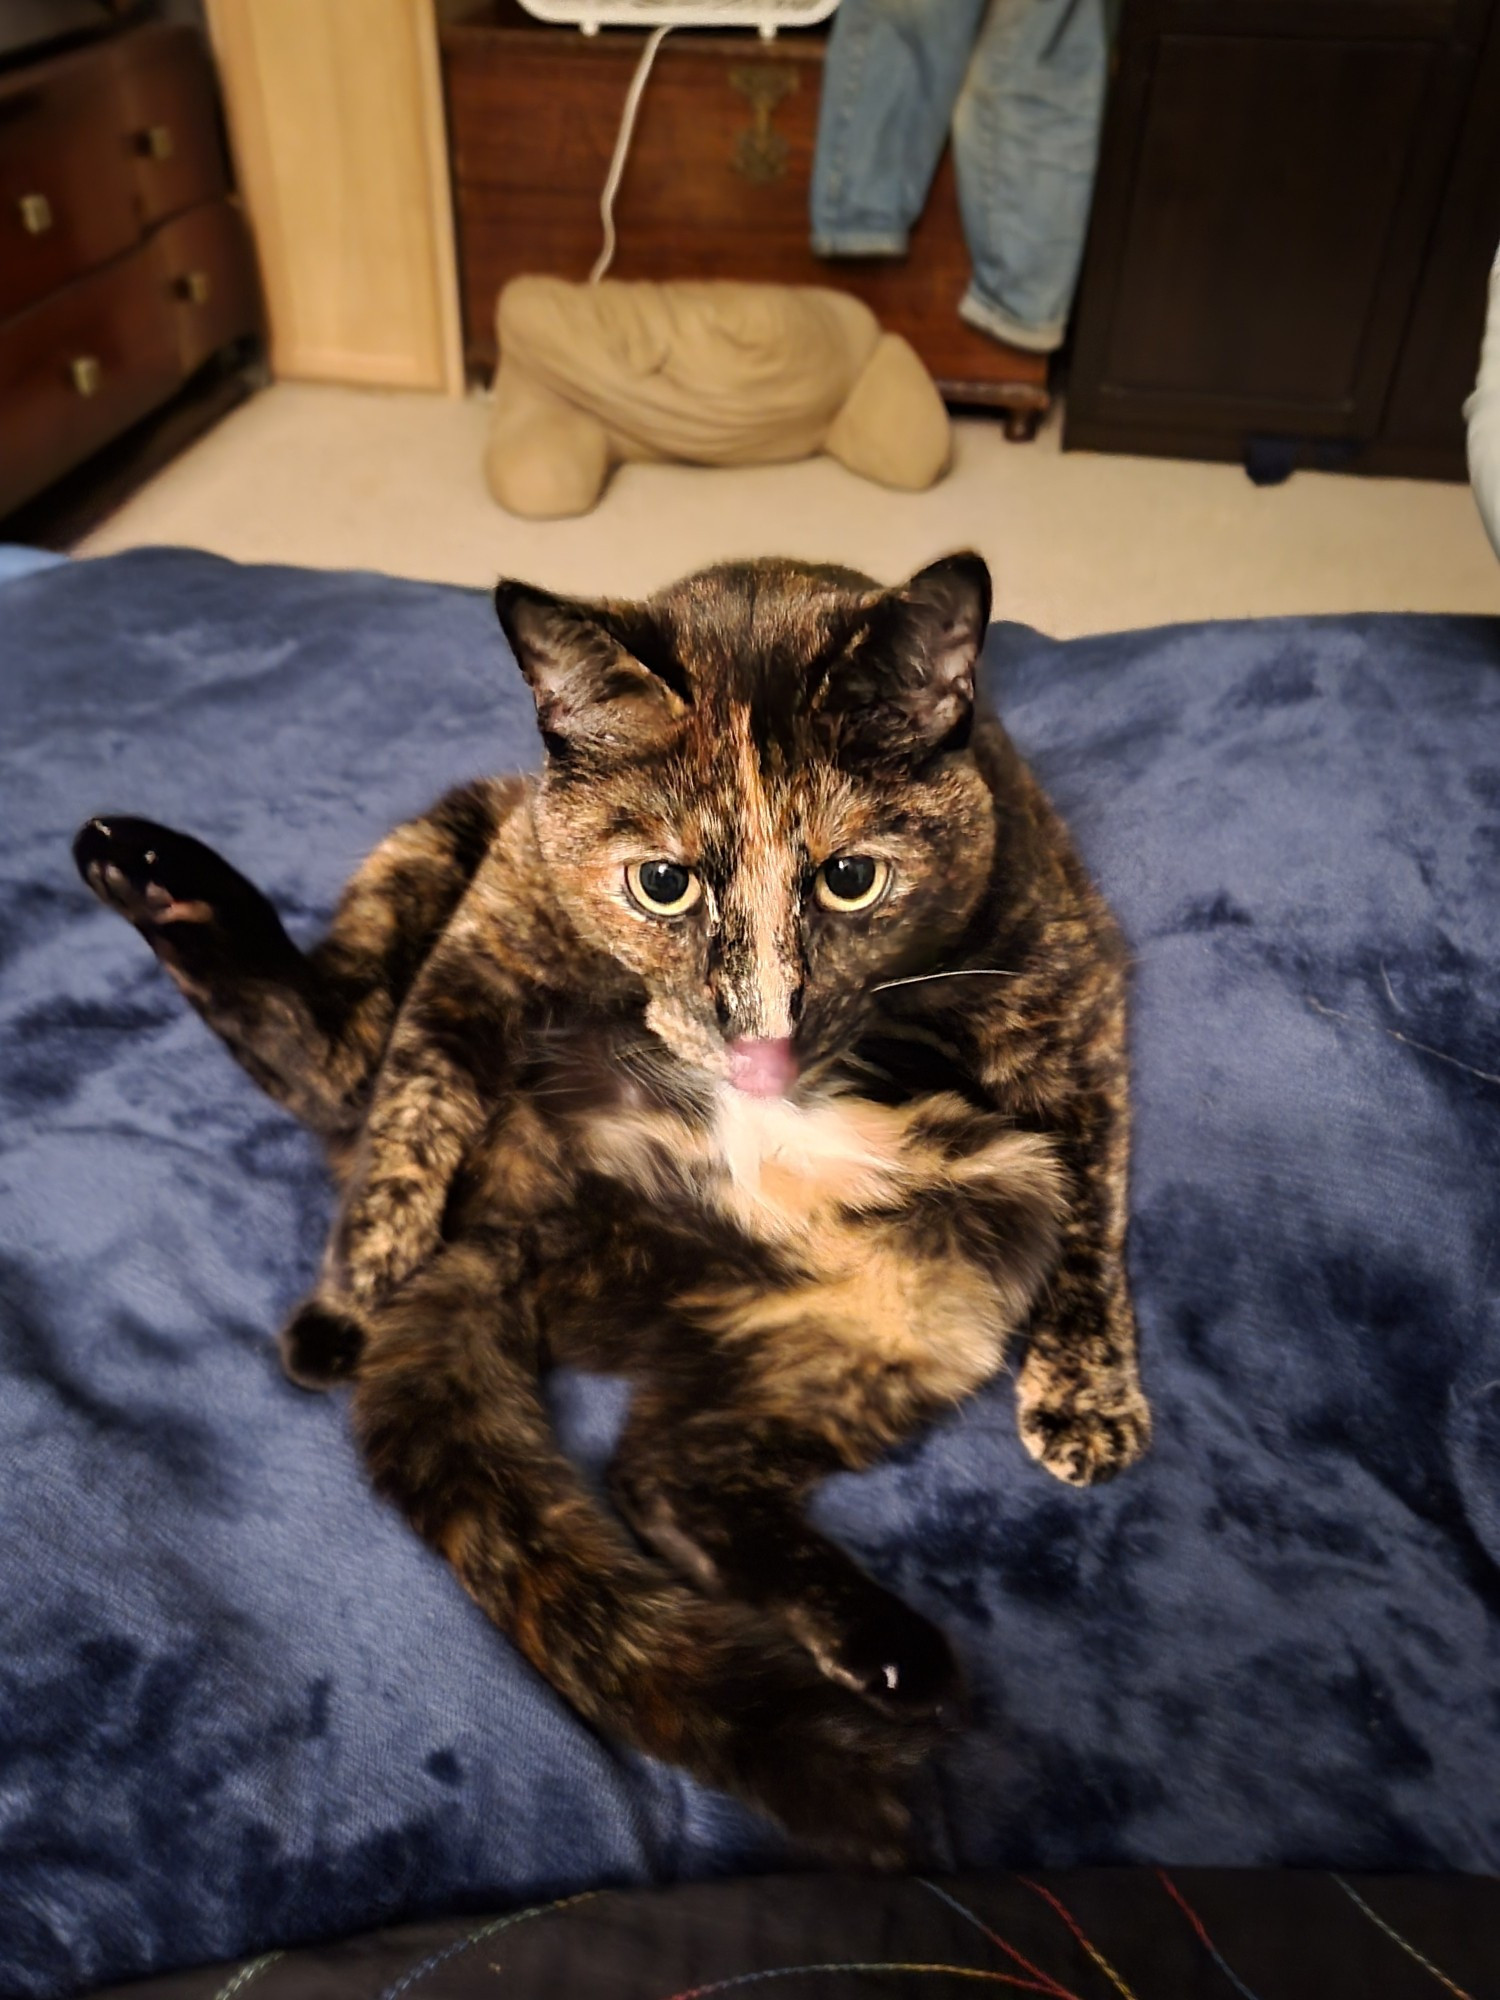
(593, 693)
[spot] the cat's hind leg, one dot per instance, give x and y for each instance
(795, 1375)
(448, 1409)
(720, 1493)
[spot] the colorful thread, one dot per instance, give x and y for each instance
(477, 1937)
(1202, 1935)
(860, 1965)
(1406, 1945)
(1078, 1931)
(1048, 1983)
(246, 1973)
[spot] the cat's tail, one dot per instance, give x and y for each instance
(455, 1433)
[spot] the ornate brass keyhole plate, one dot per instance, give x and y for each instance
(761, 153)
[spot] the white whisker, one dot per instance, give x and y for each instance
(962, 972)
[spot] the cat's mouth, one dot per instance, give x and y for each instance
(757, 1065)
(763, 1066)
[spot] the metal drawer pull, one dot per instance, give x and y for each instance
(156, 142)
(36, 214)
(196, 287)
(86, 374)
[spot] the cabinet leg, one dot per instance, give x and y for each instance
(1021, 426)
(1270, 461)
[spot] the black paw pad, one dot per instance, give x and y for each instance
(197, 913)
(321, 1345)
(148, 873)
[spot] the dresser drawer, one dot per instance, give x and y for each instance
(67, 199)
(207, 273)
(95, 148)
(170, 121)
(81, 367)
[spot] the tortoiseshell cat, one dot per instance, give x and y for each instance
(770, 1048)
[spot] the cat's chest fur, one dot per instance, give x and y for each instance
(781, 1168)
(829, 1189)
(778, 1169)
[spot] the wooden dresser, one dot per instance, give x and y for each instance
(716, 185)
(1297, 206)
(124, 262)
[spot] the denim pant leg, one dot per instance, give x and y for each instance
(1026, 141)
(892, 74)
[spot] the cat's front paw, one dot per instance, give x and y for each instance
(1083, 1429)
(321, 1344)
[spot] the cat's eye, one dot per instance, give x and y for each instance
(664, 888)
(852, 882)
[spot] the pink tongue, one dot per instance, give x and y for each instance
(762, 1068)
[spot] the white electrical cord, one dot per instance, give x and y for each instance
(622, 150)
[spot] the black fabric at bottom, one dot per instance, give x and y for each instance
(1141, 1934)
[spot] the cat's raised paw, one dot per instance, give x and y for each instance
(144, 871)
(320, 1345)
(198, 914)
(1081, 1436)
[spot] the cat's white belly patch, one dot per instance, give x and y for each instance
(786, 1165)
(777, 1168)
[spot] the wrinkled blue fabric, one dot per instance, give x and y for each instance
(240, 1705)
(18, 560)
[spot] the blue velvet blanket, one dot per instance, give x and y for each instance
(240, 1705)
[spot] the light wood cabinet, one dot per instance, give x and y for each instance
(336, 123)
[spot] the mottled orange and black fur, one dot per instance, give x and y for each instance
(802, 1140)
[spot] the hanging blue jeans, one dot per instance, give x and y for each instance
(1022, 84)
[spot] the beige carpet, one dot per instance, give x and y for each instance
(1078, 543)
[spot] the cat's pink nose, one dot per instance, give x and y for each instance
(762, 1068)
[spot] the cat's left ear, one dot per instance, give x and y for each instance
(909, 688)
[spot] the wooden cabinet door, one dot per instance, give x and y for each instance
(1270, 178)
(335, 113)
(1423, 427)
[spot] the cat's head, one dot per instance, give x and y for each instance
(759, 794)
